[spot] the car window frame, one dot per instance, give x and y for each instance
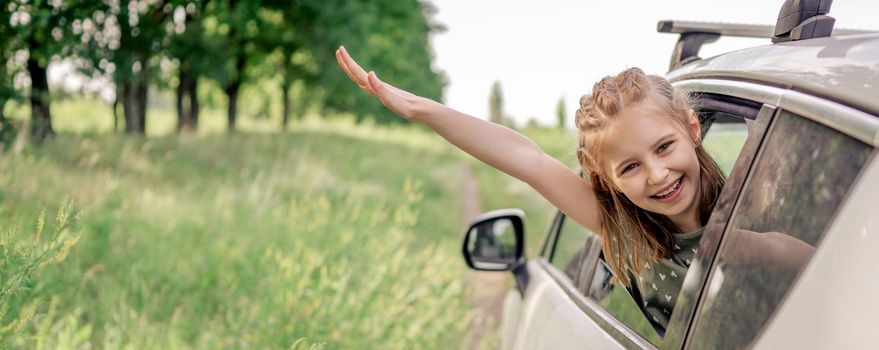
(680, 321)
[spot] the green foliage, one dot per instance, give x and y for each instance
(387, 36)
(7, 133)
(7, 48)
(287, 44)
(331, 236)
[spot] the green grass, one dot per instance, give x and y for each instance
(329, 236)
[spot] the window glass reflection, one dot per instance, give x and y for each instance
(795, 188)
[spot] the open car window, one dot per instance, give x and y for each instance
(577, 252)
(725, 123)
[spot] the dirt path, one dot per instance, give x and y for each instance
(485, 290)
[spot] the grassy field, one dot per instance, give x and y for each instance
(328, 236)
(332, 235)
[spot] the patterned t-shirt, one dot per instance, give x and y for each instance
(660, 280)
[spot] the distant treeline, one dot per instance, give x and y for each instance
(178, 44)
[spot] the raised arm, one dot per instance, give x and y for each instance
(493, 144)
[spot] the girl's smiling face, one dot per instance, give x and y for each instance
(653, 162)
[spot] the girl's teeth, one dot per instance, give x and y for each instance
(670, 190)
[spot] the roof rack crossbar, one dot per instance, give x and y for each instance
(733, 29)
(694, 34)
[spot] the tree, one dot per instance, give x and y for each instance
(389, 36)
(235, 24)
(560, 113)
(188, 47)
(496, 104)
(288, 35)
(120, 42)
(41, 30)
(234, 42)
(7, 89)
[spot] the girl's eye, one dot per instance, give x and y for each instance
(664, 146)
(629, 167)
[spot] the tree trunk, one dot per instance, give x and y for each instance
(193, 102)
(181, 113)
(41, 118)
(187, 102)
(140, 98)
(134, 101)
(119, 92)
(134, 104)
(285, 97)
(232, 93)
(232, 90)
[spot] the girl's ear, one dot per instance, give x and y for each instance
(695, 127)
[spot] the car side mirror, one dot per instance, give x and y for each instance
(495, 241)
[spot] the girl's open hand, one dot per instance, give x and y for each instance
(400, 101)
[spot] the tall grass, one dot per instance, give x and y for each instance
(21, 259)
(329, 236)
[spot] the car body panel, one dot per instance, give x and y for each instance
(549, 319)
(511, 314)
(844, 69)
(834, 305)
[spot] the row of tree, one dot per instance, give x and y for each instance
(497, 115)
(177, 44)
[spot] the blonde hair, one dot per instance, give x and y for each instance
(625, 227)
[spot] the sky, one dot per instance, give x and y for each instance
(551, 49)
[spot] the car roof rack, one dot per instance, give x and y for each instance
(797, 20)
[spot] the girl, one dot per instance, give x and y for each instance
(650, 185)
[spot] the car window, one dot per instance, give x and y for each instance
(795, 187)
(569, 247)
(576, 250)
(724, 142)
(577, 253)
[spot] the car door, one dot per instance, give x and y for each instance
(541, 315)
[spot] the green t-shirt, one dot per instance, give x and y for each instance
(660, 280)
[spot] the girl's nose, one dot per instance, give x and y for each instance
(656, 173)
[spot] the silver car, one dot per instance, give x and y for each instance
(795, 126)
